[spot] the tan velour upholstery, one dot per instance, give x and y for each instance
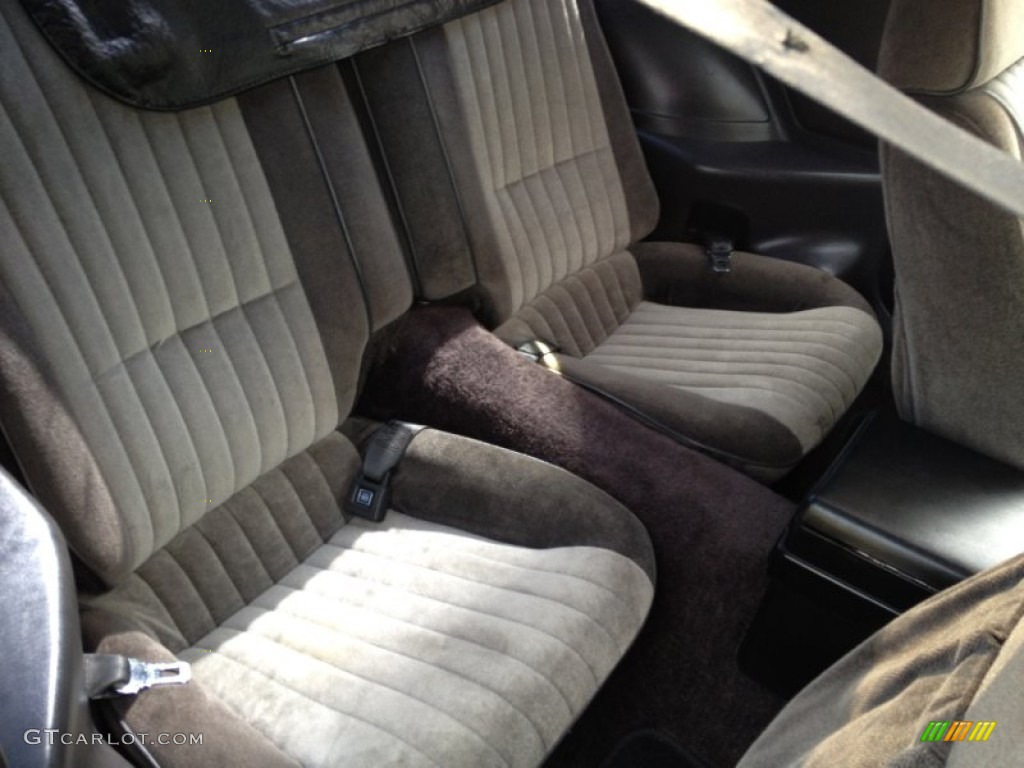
(955, 657)
(172, 379)
(535, 153)
(943, 47)
(802, 369)
(958, 354)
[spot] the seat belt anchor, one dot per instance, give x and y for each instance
(536, 350)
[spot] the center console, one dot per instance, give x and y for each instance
(900, 515)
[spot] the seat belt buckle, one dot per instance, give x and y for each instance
(536, 350)
(719, 251)
(369, 499)
(370, 494)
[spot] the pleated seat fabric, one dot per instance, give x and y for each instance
(804, 369)
(511, 123)
(185, 301)
(422, 639)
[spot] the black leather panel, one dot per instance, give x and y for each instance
(923, 506)
(40, 644)
(172, 54)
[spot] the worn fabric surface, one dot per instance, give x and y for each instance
(802, 369)
(180, 340)
(950, 46)
(678, 274)
(713, 528)
(871, 708)
(407, 642)
(523, 128)
(552, 196)
(959, 261)
(155, 283)
(998, 697)
(510, 127)
(581, 311)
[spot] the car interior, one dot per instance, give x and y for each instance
(467, 383)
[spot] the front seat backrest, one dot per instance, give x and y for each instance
(958, 359)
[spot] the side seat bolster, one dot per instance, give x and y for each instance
(743, 437)
(679, 274)
(513, 498)
(579, 312)
(227, 738)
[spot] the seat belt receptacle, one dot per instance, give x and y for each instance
(370, 495)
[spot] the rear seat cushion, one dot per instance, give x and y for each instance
(800, 370)
(754, 367)
(872, 707)
(407, 642)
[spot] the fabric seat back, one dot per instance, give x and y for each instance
(546, 177)
(160, 352)
(958, 359)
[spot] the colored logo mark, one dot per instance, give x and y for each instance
(958, 730)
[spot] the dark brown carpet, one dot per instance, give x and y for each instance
(712, 528)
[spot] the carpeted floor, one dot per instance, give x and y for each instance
(647, 749)
(713, 528)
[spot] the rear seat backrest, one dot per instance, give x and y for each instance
(147, 266)
(533, 126)
(186, 301)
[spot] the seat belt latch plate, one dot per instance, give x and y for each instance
(148, 675)
(109, 675)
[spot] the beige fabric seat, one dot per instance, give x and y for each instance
(803, 368)
(182, 322)
(958, 355)
(957, 657)
(520, 181)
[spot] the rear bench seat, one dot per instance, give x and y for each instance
(520, 181)
(185, 298)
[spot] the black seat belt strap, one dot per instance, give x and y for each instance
(370, 494)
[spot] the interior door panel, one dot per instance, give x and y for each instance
(735, 154)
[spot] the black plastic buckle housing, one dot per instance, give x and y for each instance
(369, 499)
(370, 495)
(719, 251)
